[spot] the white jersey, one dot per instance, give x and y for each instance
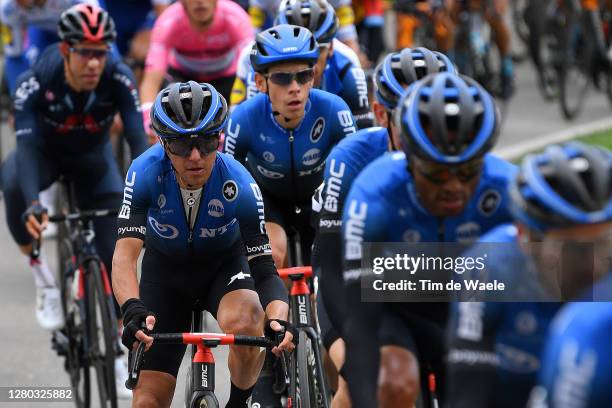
(16, 20)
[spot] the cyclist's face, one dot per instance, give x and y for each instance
(85, 62)
(444, 191)
(200, 12)
(288, 100)
(325, 52)
(384, 118)
(571, 259)
(193, 171)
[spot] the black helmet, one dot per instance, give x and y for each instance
(403, 68)
(185, 109)
(316, 15)
(447, 119)
(86, 22)
(563, 186)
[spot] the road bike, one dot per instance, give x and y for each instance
(89, 339)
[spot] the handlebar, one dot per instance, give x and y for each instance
(84, 215)
(135, 359)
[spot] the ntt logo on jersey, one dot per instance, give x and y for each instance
(166, 231)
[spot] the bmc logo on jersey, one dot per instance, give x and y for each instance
(355, 228)
(128, 190)
(215, 208)
(317, 130)
(165, 231)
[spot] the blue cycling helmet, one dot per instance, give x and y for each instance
(563, 186)
(448, 119)
(188, 108)
(316, 15)
(283, 43)
(403, 68)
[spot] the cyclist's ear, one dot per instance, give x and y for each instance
(261, 83)
(63, 46)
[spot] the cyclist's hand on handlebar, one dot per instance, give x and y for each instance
(289, 339)
(35, 219)
(138, 322)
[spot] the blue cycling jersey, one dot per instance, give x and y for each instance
(287, 164)
(343, 76)
(383, 206)
(230, 208)
(577, 358)
(51, 117)
(495, 347)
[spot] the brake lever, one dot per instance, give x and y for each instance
(135, 360)
(281, 380)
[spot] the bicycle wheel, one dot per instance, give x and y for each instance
(574, 75)
(306, 397)
(207, 401)
(101, 341)
(76, 365)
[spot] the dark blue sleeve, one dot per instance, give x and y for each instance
(128, 100)
(25, 102)
(472, 360)
(13, 67)
(363, 221)
(132, 218)
(237, 134)
(355, 94)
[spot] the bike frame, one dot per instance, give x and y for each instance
(300, 309)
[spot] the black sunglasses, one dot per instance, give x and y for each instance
(440, 173)
(183, 146)
(286, 78)
(89, 53)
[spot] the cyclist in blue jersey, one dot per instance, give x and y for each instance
(30, 27)
(395, 73)
(338, 69)
(561, 198)
(575, 368)
(285, 133)
(201, 215)
(445, 187)
(64, 107)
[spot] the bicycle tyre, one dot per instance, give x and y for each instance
(207, 401)
(306, 394)
(573, 63)
(103, 362)
(76, 365)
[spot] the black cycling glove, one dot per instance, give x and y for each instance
(37, 210)
(287, 327)
(135, 315)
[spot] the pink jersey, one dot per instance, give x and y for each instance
(205, 55)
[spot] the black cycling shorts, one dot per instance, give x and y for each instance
(173, 289)
(288, 215)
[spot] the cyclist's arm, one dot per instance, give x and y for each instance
(472, 361)
(156, 62)
(129, 108)
(343, 122)
(131, 230)
(270, 288)
(355, 93)
(125, 259)
(25, 103)
(236, 139)
(362, 322)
